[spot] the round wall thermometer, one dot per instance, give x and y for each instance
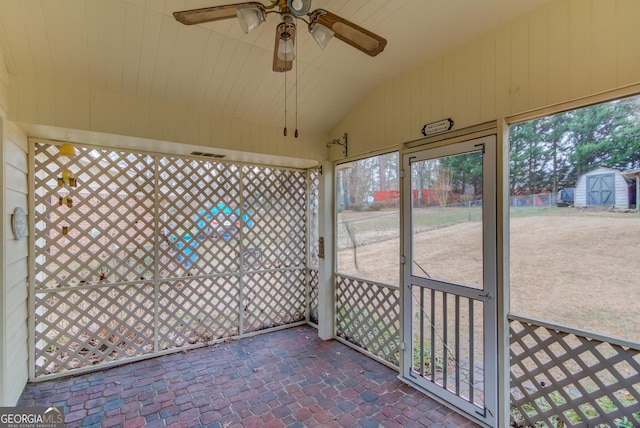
(19, 223)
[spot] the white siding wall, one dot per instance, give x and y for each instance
(563, 51)
(14, 270)
(621, 188)
(580, 195)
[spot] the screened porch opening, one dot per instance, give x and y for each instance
(574, 227)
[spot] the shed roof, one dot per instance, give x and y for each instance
(630, 173)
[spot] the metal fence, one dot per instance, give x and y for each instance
(540, 200)
(376, 226)
(384, 225)
(149, 253)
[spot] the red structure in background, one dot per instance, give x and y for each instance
(391, 198)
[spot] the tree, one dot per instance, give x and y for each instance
(466, 171)
(550, 153)
(530, 156)
(382, 173)
(420, 176)
(443, 185)
(358, 182)
(606, 135)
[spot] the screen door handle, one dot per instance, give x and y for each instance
(486, 296)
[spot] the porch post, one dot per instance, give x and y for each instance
(326, 295)
(637, 191)
(503, 296)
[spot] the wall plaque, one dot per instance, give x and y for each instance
(437, 127)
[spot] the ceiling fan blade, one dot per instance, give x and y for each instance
(215, 13)
(283, 60)
(364, 40)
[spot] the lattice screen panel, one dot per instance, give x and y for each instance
(314, 213)
(563, 378)
(199, 217)
(193, 311)
(368, 315)
(313, 296)
(272, 299)
(83, 327)
(162, 244)
(278, 205)
(110, 219)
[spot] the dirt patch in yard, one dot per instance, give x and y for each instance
(579, 271)
(568, 267)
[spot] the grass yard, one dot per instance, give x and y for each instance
(580, 270)
(573, 267)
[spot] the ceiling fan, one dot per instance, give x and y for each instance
(323, 25)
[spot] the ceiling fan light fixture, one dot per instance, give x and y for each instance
(348, 32)
(321, 34)
(250, 18)
(286, 48)
(299, 7)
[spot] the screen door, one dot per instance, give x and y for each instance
(450, 275)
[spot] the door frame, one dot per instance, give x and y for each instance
(488, 143)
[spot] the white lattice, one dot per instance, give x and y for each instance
(278, 203)
(83, 327)
(184, 247)
(273, 299)
(111, 222)
(314, 213)
(368, 315)
(197, 310)
(565, 378)
(313, 296)
(199, 217)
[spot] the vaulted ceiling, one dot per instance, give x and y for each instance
(137, 48)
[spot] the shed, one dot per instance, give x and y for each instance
(604, 187)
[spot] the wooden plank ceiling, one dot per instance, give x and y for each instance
(136, 48)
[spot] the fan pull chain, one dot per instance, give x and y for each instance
(296, 133)
(285, 101)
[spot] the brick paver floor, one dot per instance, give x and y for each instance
(288, 378)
